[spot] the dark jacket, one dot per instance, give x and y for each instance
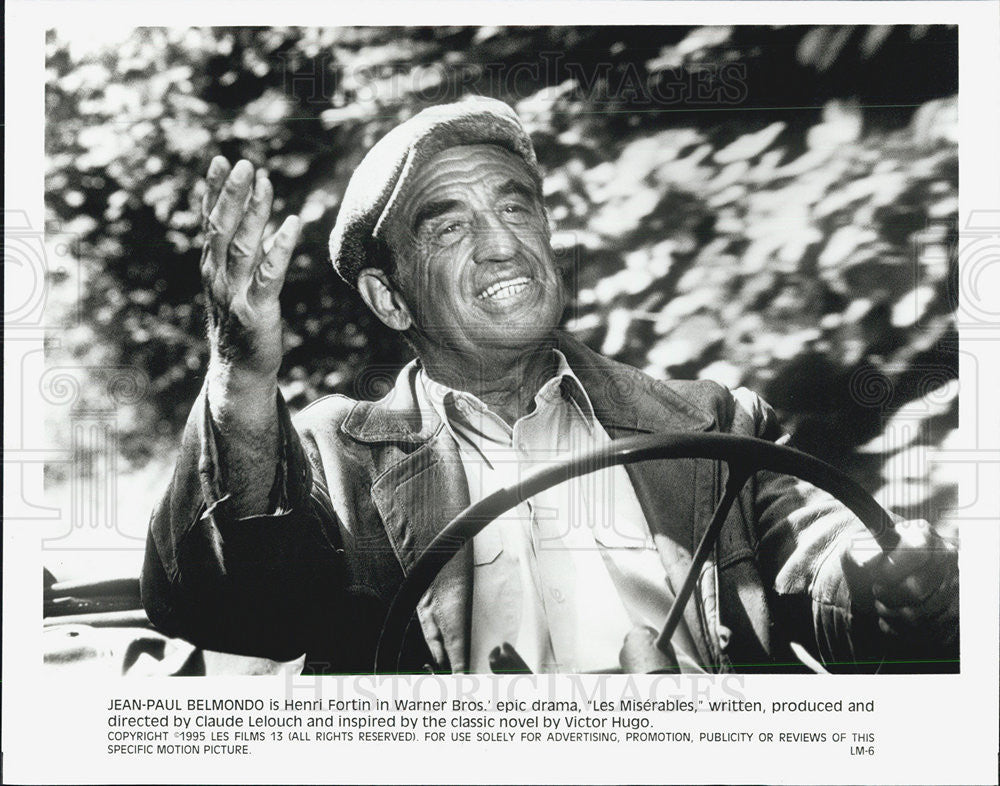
(362, 488)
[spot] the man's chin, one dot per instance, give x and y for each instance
(511, 337)
(517, 338)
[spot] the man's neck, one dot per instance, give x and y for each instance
(506, 382)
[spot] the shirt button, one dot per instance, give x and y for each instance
(558, 595)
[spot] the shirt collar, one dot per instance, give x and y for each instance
(454, 406)
(565, 383)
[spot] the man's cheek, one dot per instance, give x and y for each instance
(425, 284)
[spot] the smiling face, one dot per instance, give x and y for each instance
(473, 260)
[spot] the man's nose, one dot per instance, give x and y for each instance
(494, 240)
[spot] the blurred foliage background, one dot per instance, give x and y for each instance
(772, 207)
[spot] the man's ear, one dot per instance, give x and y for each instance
(384, 300)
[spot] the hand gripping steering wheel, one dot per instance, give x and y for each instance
(743, 455)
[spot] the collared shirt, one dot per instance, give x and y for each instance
(564, 576)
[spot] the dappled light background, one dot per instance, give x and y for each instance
(770, 207)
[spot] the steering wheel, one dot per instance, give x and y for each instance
(743, 455)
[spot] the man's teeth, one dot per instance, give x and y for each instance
(504, 289)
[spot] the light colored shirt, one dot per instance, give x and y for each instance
(564, 576)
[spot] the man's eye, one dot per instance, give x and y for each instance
(449, 228)
(515, 211)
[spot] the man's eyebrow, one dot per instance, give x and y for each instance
(518, 188)
(432, 210)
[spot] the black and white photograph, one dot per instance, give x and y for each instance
(617, 379)
(367, 277)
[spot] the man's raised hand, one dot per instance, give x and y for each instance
(243, 273)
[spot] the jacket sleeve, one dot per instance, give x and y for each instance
(264, 585)
(801, 533)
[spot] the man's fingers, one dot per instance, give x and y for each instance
(918, 586)
(888, 628)
(218, 171)
(228, 211)
(937, 623)
(858, 562)
(270, 273)
(917, 543)
(245, 247)
(928, 607)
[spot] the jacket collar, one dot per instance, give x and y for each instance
(624, 400)
(396, 417)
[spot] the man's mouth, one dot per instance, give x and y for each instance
(502, 290)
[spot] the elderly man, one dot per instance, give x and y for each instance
(277, 539)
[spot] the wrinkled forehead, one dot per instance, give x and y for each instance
(458, 170)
